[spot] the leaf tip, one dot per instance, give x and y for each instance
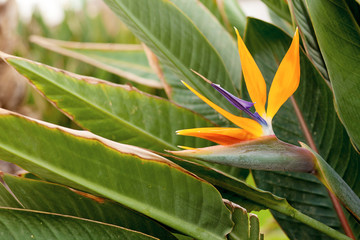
(204, 78)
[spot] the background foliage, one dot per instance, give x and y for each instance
(128, 192)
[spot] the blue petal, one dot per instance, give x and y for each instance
(240, 104)
(259, 119)
(237, 102)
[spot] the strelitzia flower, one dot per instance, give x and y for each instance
(254, 145)
(284, 84)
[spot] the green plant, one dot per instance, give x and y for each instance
(129, 186)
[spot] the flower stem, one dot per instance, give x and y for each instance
(292, 212)
(335, 201)
(341, 215)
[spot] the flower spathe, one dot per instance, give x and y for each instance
(284, 84)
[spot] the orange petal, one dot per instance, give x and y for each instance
(223, 136)
(254, 80)
(246, 123)
(286, 79)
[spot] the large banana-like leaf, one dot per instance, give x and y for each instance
(116, 112)
(235, 15)
(99, 107)
(224, 46)
(134, 177)
(54, 198)
(178, 32)
(280, 22)
(338, 35)
(216, 8)
(312, 107)
(253, 198)
(126, 60)
(8, 200)
(237, 191)
(336, 184)
(19, 224)
(221, 41)
(281, 8)
(302, 19)
(228, 13)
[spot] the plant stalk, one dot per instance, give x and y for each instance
(335, 201)
(290, 211)
(287, 209)
(341, 215)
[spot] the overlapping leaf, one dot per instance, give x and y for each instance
(241, 218)
(126, 60)
(178, 32)
(116, 112)
(8, 200)
(215, 7)
(53, 198)
(132, 176)
(253, 198)
(19, 224)
(336, 184)
(228, 13)
(338, 35)
(235, 15)
(314, 102)
(235, 190)
(307, 33)
(281, 8)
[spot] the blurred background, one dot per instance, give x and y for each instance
(80, 21)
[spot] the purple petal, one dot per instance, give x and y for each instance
(237, 102)
(240, 104)
(259, 119)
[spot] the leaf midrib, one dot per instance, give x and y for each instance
(123, 63)
(188, 74)
(124, 122)
(111, 194)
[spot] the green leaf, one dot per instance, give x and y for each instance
(228, 13)
(225, 47)
(219, 39)
(314, 100)
(255, 198)
(132, 176)
(337, 185)
(178, 33)
(6, 199)
(235, 15)
(266, 153)
(214, 7)
(82, 99)
(338, 35)
(237, 191)
(125, 60)
(302, 19)
(54, 198)
(117, 112)
(280, 7)
(24, 224)
(241, 218)
(280, 22)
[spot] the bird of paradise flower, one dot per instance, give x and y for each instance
(254, 145)
(285, 83)
(256, 130)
